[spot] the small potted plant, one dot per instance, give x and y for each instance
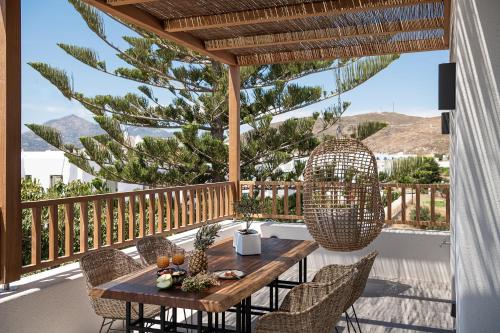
(247, 241)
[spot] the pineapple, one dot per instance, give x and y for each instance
(204, 238)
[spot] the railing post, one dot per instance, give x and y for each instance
(234, 128)
(10, 141)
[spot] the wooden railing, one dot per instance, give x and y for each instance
(63, 230)
(272, 193)
(425, 206)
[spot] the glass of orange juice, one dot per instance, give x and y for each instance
(178, 257)
(162, 262)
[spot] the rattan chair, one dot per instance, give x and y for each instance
(333, 272)
(311, 308)
(102, 266)
(150, 247)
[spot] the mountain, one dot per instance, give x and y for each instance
(404, 133)
(73, 127)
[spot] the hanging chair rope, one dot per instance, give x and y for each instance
(342, 204)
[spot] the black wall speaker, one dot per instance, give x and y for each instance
(445, 123)
(447, 81)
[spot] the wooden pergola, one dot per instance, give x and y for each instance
(236, 33)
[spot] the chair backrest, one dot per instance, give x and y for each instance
(314, 307)
(151, 247)
(104, 265)
(363, 267)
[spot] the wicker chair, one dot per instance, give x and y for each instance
(102, 266)
(343, 208)
(333, 272)
(151, 247)
(312, 308)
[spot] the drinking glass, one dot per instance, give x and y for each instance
(162, 262)
(178, 257)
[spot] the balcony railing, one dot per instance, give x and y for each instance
(418, 205)
(64, 229)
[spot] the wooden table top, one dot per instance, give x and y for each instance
(278, 255)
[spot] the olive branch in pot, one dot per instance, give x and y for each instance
(245, 209)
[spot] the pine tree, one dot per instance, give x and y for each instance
(198, 111)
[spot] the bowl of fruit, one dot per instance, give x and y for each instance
(164, 281)
(177, 274)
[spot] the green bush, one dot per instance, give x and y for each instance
(425, 215)
(415, 170)
(368, 128)
(394, 195)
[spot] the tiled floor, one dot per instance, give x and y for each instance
(387, 306)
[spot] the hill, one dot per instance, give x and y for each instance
(73, 127)
(405, 134)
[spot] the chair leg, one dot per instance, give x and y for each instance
(108, 324)
(356, 317)
(349, 322)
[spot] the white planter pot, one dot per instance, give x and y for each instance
(247, 244)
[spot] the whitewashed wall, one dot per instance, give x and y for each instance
(475, 165)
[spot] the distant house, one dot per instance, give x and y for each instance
(50, 167)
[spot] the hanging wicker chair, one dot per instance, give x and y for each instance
(343, 209)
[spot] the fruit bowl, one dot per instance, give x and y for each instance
(177, 275)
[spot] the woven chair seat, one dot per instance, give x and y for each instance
(312, 308)
(343, 208)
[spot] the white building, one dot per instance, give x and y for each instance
(50, 167)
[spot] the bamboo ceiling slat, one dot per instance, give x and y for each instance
(254, 32)
(281, 13)
(342, 52)
(388, 28)
(126, 2)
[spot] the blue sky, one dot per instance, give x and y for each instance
(410, 83)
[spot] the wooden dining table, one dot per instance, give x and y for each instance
(264, 270)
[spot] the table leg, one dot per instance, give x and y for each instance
(174, 319)
(243, 313)
(200, 321)
(128, 317)
(162, 318)
(248, 314)
(305, 269)
(141, 315)
(276, 296)
(210, 321)
(223, 320)
(271, 297)
(300, 272)
(216, 321)
(238, 318)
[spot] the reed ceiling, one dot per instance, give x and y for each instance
(253, 32)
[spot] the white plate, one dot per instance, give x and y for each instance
(222, 274)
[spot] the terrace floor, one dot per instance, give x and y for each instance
(389, 306)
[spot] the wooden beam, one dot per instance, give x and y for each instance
(286, 12)
(387, 28)
(342, 52)
(10, 141)
(146, 21)
(234, 125)
(126, 2)
(447, 22)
